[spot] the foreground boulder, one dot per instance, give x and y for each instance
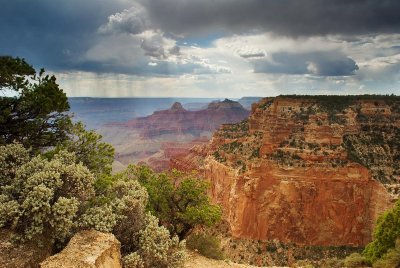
(88, 249)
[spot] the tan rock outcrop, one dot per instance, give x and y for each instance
(88, 249)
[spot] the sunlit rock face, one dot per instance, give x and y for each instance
(305, 170)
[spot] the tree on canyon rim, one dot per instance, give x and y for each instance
(35, 115)
(178, 200)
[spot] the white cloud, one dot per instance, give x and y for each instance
(133, 21)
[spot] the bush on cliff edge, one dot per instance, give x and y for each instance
(386, 232)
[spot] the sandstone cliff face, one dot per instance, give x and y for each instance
(304, 206)
(88, 249)
(305, 170)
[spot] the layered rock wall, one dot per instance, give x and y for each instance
(309, 206)
(311, 171)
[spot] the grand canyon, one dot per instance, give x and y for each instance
(302, 170)
(199, 134)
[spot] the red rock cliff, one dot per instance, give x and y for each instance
(296, 170)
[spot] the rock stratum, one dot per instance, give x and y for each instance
(309, 170)
(165, 134)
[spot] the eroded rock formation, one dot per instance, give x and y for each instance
(88, 249)
(177, 120)
(165, 134)
(305, 170)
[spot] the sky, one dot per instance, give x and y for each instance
(208, 48)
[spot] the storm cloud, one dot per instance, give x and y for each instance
(327, 63)
(285, 17)
(232, 44)
(53, 34)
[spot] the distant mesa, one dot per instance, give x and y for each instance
(225, 104)
(177, 120)
(248, 101)
(172, 132)
(177, 106)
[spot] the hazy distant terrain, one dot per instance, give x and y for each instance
(95, 112)
(109, 116)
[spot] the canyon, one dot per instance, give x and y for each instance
(309, 170)
(155, 139)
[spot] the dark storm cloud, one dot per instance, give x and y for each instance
(154, 50)
(160, 69)
(286, 17)
(327, 63)
(52, 33)
(252, 55)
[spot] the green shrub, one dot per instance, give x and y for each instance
(55, 198)
(386, 232)
(133, 260)
(157, 249)
(332, 263)
(178, 200)
(390, 259)
(44, 197)
(89, 149)
(11, 156)
(356, 260)
(129, 201)
(206, 245)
